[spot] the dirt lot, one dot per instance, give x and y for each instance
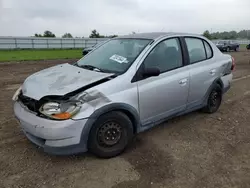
(196, 150)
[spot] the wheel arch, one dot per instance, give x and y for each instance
(129, 110)
(217, 81)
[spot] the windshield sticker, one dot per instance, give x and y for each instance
(119, 59)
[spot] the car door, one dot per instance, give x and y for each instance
(204, 69)
(166, 94)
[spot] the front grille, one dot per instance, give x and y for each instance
(30, 103)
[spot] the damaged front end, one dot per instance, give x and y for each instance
(52, 107)
(62, 107)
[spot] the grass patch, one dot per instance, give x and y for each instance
(243, 46)
(46, 54)
(24, 55)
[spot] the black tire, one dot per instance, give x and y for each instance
(237, 49)
(228, 49)
(214, 100)
(101, 142)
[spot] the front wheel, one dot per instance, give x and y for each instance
(237, 49)
(110, 134)
(214, 100)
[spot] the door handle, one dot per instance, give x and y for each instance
(183, 81)
(212, 72)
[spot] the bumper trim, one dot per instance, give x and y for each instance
(226, 88)
(65, 150)
(37, 141)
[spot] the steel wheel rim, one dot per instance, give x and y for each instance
(109, 134)
(214, 99)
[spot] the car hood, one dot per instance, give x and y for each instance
(59, 80)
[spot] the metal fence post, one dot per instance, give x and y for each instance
(32, 43)
(61, 43)
(74, 43)
(15, 43)
(47, 43)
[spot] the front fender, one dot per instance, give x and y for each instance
(127, 109)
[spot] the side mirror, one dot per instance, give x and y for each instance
(85, 52)
(148, 72)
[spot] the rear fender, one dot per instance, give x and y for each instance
(215, 82)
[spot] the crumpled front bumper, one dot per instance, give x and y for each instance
(55, 137)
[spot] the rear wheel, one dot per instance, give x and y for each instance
(236, 49)
(214, 100)
(110, 134)
(228, 49)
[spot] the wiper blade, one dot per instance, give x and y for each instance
(90, 67)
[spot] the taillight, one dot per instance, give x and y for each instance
(233, 64)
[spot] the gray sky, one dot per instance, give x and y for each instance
(79, 17)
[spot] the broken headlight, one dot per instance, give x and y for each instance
(18, 91)
(60, 111)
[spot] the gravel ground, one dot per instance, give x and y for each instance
(195, 150)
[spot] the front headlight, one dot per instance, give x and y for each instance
(18, 91)
(62, 111)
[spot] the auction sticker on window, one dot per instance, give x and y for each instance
(119, 58)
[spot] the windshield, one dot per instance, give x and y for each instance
(115, 56)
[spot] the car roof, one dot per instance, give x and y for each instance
(155, 35)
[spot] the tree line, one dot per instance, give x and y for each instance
(94, 34)
(225, 35)
(244, 34)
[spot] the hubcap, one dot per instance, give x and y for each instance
(109, 134)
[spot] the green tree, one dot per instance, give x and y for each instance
(67, 35)
(38, 35)
(207, 35)
(111, 36)
(232, 34)
(48, 34)
(244, 34)
(94, 34)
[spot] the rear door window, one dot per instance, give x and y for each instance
(208, 50)
(196, 49)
